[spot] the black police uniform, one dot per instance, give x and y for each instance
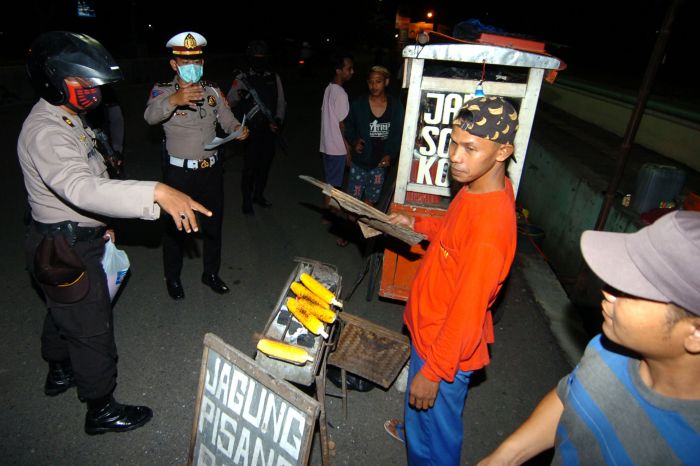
(260, 146)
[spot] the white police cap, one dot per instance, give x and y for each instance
(187, 44)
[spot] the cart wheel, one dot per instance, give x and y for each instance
(375, 271)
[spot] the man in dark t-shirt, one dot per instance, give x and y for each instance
(373, 129)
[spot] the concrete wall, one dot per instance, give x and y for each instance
(563, 197)
(564, 192)
(670, 130)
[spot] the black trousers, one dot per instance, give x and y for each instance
(81, 332)
(206, 186)
(257, 161)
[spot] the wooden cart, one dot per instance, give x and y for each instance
(440, 78)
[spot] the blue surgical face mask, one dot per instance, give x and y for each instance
(191, 73)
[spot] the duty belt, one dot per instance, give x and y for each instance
(194, 164)
(70, 230)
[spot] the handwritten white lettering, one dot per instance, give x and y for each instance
(424, 165)
(242, 422)
(205, 457)
(435, 117)
(226, 439)
(291, 440)
(243, 448)
(254, 419)
(433, 142)
(270, 410)
(239, 382)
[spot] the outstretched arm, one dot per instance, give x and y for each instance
(180, 206)
(534, 436)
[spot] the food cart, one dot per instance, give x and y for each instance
(352, 344)
(440, 78)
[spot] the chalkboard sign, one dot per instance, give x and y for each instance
(244, 416)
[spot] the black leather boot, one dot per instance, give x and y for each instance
(215, 282)
(106, 415)
(60, 378)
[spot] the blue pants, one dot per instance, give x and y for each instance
(434, 436)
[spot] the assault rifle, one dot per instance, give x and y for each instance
(260, 106)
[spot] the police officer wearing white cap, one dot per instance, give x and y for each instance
(70, 194)
(189, 110)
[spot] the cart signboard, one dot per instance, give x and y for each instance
(244, 416)
(430, 166)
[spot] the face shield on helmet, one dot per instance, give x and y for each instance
(58, 55)
(86, 82)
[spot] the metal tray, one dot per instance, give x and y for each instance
(301, 374)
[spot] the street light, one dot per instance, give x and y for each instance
(430, 16)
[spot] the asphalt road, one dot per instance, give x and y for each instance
(160, 341)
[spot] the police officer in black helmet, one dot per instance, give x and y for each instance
(258, 94)
(70, 194)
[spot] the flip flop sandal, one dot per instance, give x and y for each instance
(395, 428)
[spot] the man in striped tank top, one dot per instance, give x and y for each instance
(634, 398)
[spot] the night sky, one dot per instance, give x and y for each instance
(609, 40)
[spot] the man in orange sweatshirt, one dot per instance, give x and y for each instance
(469, 257)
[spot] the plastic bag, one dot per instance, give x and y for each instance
(115, 263)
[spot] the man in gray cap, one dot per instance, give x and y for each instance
(189, 110)
(70, 194)
(634, 398)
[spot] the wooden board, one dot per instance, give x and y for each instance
(366, 213)
(243, 415)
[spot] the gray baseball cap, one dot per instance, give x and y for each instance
(660, 262)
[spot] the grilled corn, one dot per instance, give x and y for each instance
(323, 314)
(284, 351)
(319, 290)
(311, 322)
(303, 292)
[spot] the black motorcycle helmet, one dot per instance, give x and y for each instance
(257, 48)
(257, 53)
(59, 54)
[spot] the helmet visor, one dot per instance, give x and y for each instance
(87, 82)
